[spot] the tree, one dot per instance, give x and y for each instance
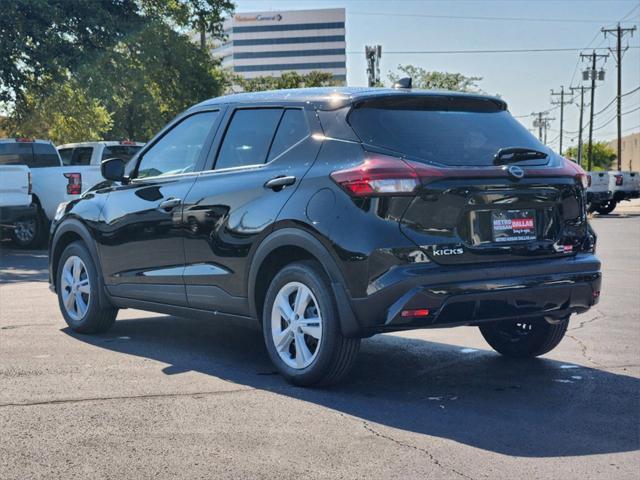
(424, 79)
(203, 16)
(603, 155)
(148, 80)
(67, 114)
(287, 80)
(44, 39)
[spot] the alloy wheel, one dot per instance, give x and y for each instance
(296, 325)
(75, 287)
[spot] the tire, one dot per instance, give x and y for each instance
(329, 355)
(607, 207)
(513, 338)
(94, 318)
(29, 231)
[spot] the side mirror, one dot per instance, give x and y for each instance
(113, 169)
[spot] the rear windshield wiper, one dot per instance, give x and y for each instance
(516, 154)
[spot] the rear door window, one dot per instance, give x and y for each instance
(293, 129)
(16, 154)
(65, 155)
(441, 130)
(81, 156)
(248, 137)
(45, 155)
(125, 152)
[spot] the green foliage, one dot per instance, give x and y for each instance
(67, 114)
(287, 80)
(148, 80)
(139, 68)
(44, 39)
(424, 79)
(203, 16)
(603, 155)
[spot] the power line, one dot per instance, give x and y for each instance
(510, 50)
(464, 17)
(614, 99)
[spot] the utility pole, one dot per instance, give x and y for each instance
(373, 54)
(582, 89)
(619, 32)
(591, 73)
(562, 104)
(541, 121)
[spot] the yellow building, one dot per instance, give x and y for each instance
(630, 151)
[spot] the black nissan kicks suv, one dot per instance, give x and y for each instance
(329, 215)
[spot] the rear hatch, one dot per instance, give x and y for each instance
(488, 190)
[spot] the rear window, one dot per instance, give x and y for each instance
(16, 154)
(442, 130)
(45, 155)
(81, 156)
(65, 155)
(125, 152)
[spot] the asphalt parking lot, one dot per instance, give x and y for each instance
(161, 397)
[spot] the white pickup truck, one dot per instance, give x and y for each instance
(607, 189)
(56, 179)
(52, 182)
(89, 155)
(17, 212)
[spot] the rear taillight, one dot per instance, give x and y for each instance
(74, 185)
(30, 180)
(24, 140)
(381, 175)
(618, 180)
(588, 181)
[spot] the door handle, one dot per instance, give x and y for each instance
(278, 183)
(169, 204)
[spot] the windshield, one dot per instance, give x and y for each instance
(460, 133)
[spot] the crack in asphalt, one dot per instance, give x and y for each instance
(13, 327)
(124, 397)
(598, 316)
(367, 426)
(583, 351)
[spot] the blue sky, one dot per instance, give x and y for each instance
(523, 79)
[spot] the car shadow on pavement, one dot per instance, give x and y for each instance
(528, 408)
(23, 265)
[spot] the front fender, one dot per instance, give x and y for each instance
(67, 231)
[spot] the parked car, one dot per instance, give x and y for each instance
(52, 183)
(623, 186)
(17, 212)
(330, 215)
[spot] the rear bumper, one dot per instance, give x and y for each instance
(470, 295)
(599, 197)
(9, 215)
(626, 195)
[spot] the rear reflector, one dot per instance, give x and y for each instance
(74, 185)
(421, 312)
